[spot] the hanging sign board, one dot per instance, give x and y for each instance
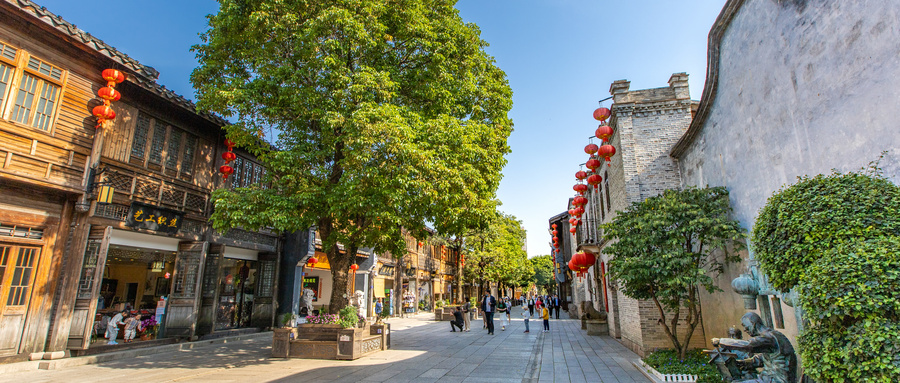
(149, 217)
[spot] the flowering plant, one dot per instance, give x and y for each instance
(322, 319)
(149, 325)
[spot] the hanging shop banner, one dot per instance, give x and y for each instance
(149, 217)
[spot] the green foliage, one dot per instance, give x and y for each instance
(803, 220)
(850, 294)
(380, 116)
(694, 363)
(669, 246)
(543, 272)
(497, 253)
(348, 317)
(286, 319)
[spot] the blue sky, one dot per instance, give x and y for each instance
(560, 57)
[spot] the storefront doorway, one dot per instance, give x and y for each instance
(17, 266)
(135, 278)
(237, 288)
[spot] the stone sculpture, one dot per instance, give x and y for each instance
(306, 299)
(740, 360)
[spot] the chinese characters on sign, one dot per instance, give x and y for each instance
(149, 217)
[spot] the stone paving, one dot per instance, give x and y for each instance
(422, 351)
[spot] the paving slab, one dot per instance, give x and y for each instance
(422, 351)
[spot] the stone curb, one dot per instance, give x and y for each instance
(640, 367)
(107, 357)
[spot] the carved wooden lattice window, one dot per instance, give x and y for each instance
(266, 278)
(141, 133)
(156, 146)
(186, 270)
(88, 269)
(187, 161)
(173, 150)
(236, 177)
(210, 276)
(195, 202)
(147, 189)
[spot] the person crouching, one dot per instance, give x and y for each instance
(457, 320)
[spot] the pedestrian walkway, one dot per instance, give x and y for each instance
(422, 351)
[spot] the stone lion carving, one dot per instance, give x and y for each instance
(359, 300)
(306, 299)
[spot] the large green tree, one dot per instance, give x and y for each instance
(670, 246)
(543, 272)
(497, 253)
(380, 115)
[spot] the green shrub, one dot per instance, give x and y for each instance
(801, 221)
(349, 317)
(694, 363)
(850, 295)
(855, 281)
(868, 351)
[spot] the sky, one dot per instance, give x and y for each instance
(560, 57)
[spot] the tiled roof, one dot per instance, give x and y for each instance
(142, 75)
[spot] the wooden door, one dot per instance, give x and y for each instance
(88, 290)
(264, 300)
(17, 270)
(184, 301)
(209, 293)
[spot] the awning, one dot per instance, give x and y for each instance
(379, 288)
(143, 241)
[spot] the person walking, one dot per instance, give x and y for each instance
(503, 309)
(488, 307)
(467, 315)
(545, 315)
(526, 316)
(556, 305)
(457, 320)
(531, 306)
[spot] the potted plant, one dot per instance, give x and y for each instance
(149, 327)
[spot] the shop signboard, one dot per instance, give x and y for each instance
(155, 218)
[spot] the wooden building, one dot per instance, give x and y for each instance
(66, 259)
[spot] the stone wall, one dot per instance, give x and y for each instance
(802, 87)
(647, 124)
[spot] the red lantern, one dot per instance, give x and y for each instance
(607, 151)
(553, 226)
(104, 112)
(420, 244)
(572, 230)
(594, 163)
(109, 94)
(226, 171)
(581, 188)
(601, 114)
(595, 180)
(581, 174)
(572, 220)
(112, 76)
(554, 232)
(228, 156)
(572, 211)
(579, 211)
(229, 144)
(579, 201)
(312, 262)
(591, 149)
(354, 267)
(604, 132)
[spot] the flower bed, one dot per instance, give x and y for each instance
(666, 362)
(322, 319)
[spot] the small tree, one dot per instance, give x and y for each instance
(543, 272)
(669, 247)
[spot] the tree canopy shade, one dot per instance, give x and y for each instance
(384, 115)
(668, 247)
(543, 272)
(497, 253)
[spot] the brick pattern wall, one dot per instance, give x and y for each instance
(647, 124)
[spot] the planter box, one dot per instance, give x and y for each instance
(597, 327)
(308, 341)
(656, 376)
(443, 314)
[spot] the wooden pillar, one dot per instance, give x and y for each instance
(68, 279)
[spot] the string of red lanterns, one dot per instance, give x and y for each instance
(228, 156)
(104, 113)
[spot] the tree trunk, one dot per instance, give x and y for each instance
(662, 320)
(340, 265)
